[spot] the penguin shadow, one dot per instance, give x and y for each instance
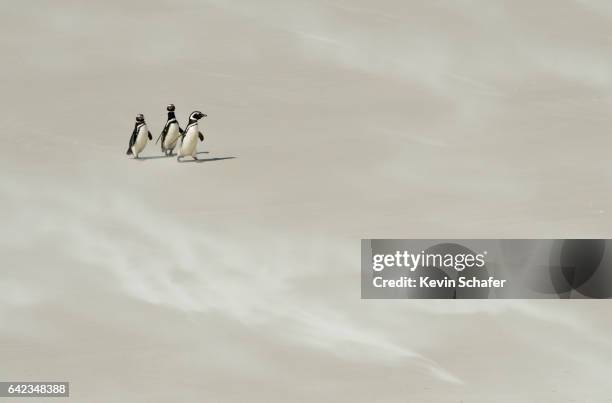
(155, 157)
(188, 159)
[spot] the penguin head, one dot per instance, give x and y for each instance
(170, 108)
(197, 115)
(140, 117)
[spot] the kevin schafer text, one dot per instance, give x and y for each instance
(428, 282)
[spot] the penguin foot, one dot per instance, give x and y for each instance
(195, 157)
(178, 158)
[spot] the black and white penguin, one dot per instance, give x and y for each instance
(171, 133)
(139, 138)
(190, 137)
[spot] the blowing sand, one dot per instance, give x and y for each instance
(236, 278)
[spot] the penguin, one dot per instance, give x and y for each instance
(171, 133)
(190, 136)
(141, 133)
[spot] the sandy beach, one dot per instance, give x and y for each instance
(236, 278)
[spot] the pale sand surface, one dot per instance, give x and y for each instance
(237, 280)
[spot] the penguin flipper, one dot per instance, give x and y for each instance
(132, 142)
(150, 136)
(201, 136)
(162, 135)
(133, 136)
